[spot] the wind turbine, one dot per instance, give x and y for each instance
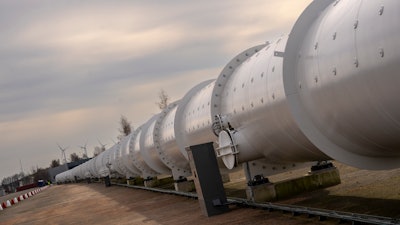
(84, 150)
(103, 147)
(63, 157)
(113, 141)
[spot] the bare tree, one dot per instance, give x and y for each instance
(125, 128)
(74, 157)
(33, 169)
(41, 174)
(12, 182)
(98, 150)
(55, 163)
(163, 99)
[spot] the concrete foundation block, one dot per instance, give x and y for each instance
(225, 178)
(151, 183)
(135, 181)
(130, 182)
(185, 186)
(165, 181)
(261, 193)
(284, 189)
(159, 182)
(313, 181)
(327, 178)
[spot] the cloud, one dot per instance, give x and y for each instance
(35, 138)
(70, 68)
(89, 35)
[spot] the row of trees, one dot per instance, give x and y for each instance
(19, 179)
(10, 183)
(73, 158)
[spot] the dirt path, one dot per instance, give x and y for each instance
(362, 191)
(95, 204)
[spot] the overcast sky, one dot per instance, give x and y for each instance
(70, 68)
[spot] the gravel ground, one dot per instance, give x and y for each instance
(361, 191)
(96, 204)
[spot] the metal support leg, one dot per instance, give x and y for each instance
(107, 181)
(208, 181)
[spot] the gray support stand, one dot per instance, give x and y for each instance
(208, 182)
(107, 181)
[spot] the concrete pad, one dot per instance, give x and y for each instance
(291, 187)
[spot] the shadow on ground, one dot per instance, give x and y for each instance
(323, 199)
(316, 199)
(159, 208)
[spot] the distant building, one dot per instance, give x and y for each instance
(59, 169)
(2, 191)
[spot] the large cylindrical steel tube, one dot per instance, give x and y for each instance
(92, 167)
(116, 164)
(104, 163)
(126, 157)
(253, 100)
(136, 156)
(148, 149)
(193, 117)
(166, 145)
(341, 72)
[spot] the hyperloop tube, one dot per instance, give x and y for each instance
(126, 159)
(148, 149)
(84, 170)
(112, 165)
(193, 118)
(98, 164)
(87, 173)
(103, 163)
(165, 143)
(250, 93)
(136, 156)
(123, 153)
(341, 76)
(116, 165)
(92, 167)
